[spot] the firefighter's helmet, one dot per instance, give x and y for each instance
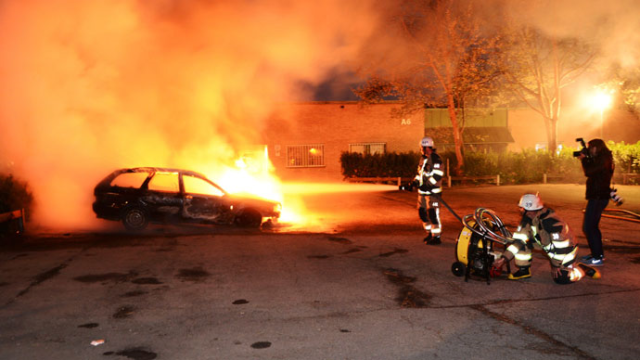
(426, 142)
(530, 202)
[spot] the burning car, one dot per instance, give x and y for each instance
(137, 196)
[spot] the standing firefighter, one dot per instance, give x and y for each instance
(541, 227)
(429, 182)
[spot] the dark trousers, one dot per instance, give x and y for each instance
(591, 225)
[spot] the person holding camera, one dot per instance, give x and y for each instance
(598, 166)
(429, 183)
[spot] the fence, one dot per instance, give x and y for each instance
(628, 176)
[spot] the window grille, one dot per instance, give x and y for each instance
(368, 148)
(305, 155)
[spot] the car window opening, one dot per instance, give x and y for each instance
(198, 186)
(130, 180)
(165, 182)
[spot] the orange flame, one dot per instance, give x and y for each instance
(254, 175)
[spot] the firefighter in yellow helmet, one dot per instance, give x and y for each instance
(542, 228)
(429, 183)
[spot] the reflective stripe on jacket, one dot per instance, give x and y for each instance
(551, 233)
(430, 174)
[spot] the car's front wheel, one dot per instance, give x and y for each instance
(135, 218)
(249, 218)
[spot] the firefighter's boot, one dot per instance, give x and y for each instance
(434, 241)
(428, 238)
(522, 273)
(590, 271)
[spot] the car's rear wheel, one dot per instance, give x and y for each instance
(135, 218)
(249, 218)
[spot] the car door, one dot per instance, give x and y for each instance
(162, 195)
(204, 200)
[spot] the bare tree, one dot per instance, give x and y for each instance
(446, 59)
(625, 81)
(537, 67)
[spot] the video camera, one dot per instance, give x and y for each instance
(584, 149)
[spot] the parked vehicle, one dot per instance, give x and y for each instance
(137, 196)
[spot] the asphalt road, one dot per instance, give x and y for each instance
(355, 282)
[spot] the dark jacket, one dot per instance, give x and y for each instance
(598, 170)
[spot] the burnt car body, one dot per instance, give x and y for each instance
(137, 196)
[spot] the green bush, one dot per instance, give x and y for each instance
(626, 157)
(379, 165)
(14, 195)
(523, 167)
(530, 166)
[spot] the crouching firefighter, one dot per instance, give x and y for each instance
(429, 183)
(541, 227)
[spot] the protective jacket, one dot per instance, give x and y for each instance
(550, 233)
(430, 175)
(598, 170)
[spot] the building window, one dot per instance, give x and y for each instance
(305, 155)
(368, 148)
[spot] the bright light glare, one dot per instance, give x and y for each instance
(601, 100)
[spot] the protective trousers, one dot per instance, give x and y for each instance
(429, 212)
(521, 251)
(522, 259)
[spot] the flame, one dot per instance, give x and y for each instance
(254, 175)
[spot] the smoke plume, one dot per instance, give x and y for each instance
(91, 86)
(610, 26)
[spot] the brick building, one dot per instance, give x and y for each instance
(305, 140)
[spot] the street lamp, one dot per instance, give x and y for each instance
(601, 101)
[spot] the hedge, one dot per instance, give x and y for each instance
(14, 195)
(379, 165)
(528, 166)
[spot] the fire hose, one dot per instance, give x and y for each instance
(482, 217)
(636, 217)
